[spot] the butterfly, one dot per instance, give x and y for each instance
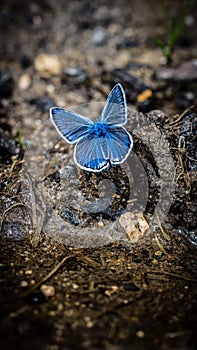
(99, 144)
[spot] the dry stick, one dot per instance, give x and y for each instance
(38, 284)
(161, 247)
(179, 117)
(89, 261)
(171, 274)
(15, 162)
(18, 312)
(166, 236)
(52, 272)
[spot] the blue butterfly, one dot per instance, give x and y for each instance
(99, 144)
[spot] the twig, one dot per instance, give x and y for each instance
(161, 247)
(172, 274)
(89, 261)
(53, 271)
(166, 236)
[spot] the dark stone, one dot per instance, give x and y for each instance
(187, 71)
(76, 75)
(145, 254)
(189, 235)
(132, 85)
(71, 216)
(130, 286)
(42, 103)
(6, 85)
(25, 61)
(186, 130)
(128, 42)
(8, 147)
(56, 177)
(146, 106)
(36, 297)
(124, 77)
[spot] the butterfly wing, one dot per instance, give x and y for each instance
(70, 125)
(92, 153)
(120, 144)
(115, 109)
(98, 153)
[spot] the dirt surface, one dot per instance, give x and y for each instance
(124, 277)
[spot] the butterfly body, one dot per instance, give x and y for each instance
(99, 144)
(100, 129)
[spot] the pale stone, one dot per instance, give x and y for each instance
(24, 82)
(48, 65)
(48, 291)
(134, 225)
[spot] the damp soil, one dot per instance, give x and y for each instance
(138, 293)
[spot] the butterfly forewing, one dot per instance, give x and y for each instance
(115, 109)
(70, 125)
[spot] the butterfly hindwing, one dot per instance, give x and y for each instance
(99, 153)
(115, 109)
(70, 125)
(92, 153)
(120, 143)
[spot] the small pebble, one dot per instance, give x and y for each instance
(101, 224)
(24, 284)
(48, 65)
(144, 96)
(189, 20)
(48, 291)
(111, 291)
(99, 36)
(77, 74)
(89, 322)
(140, 334)
(75, 286)
(50, 88)
(24, 82)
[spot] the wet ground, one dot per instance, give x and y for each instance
(123, 277)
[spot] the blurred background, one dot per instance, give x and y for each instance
(68, 52)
